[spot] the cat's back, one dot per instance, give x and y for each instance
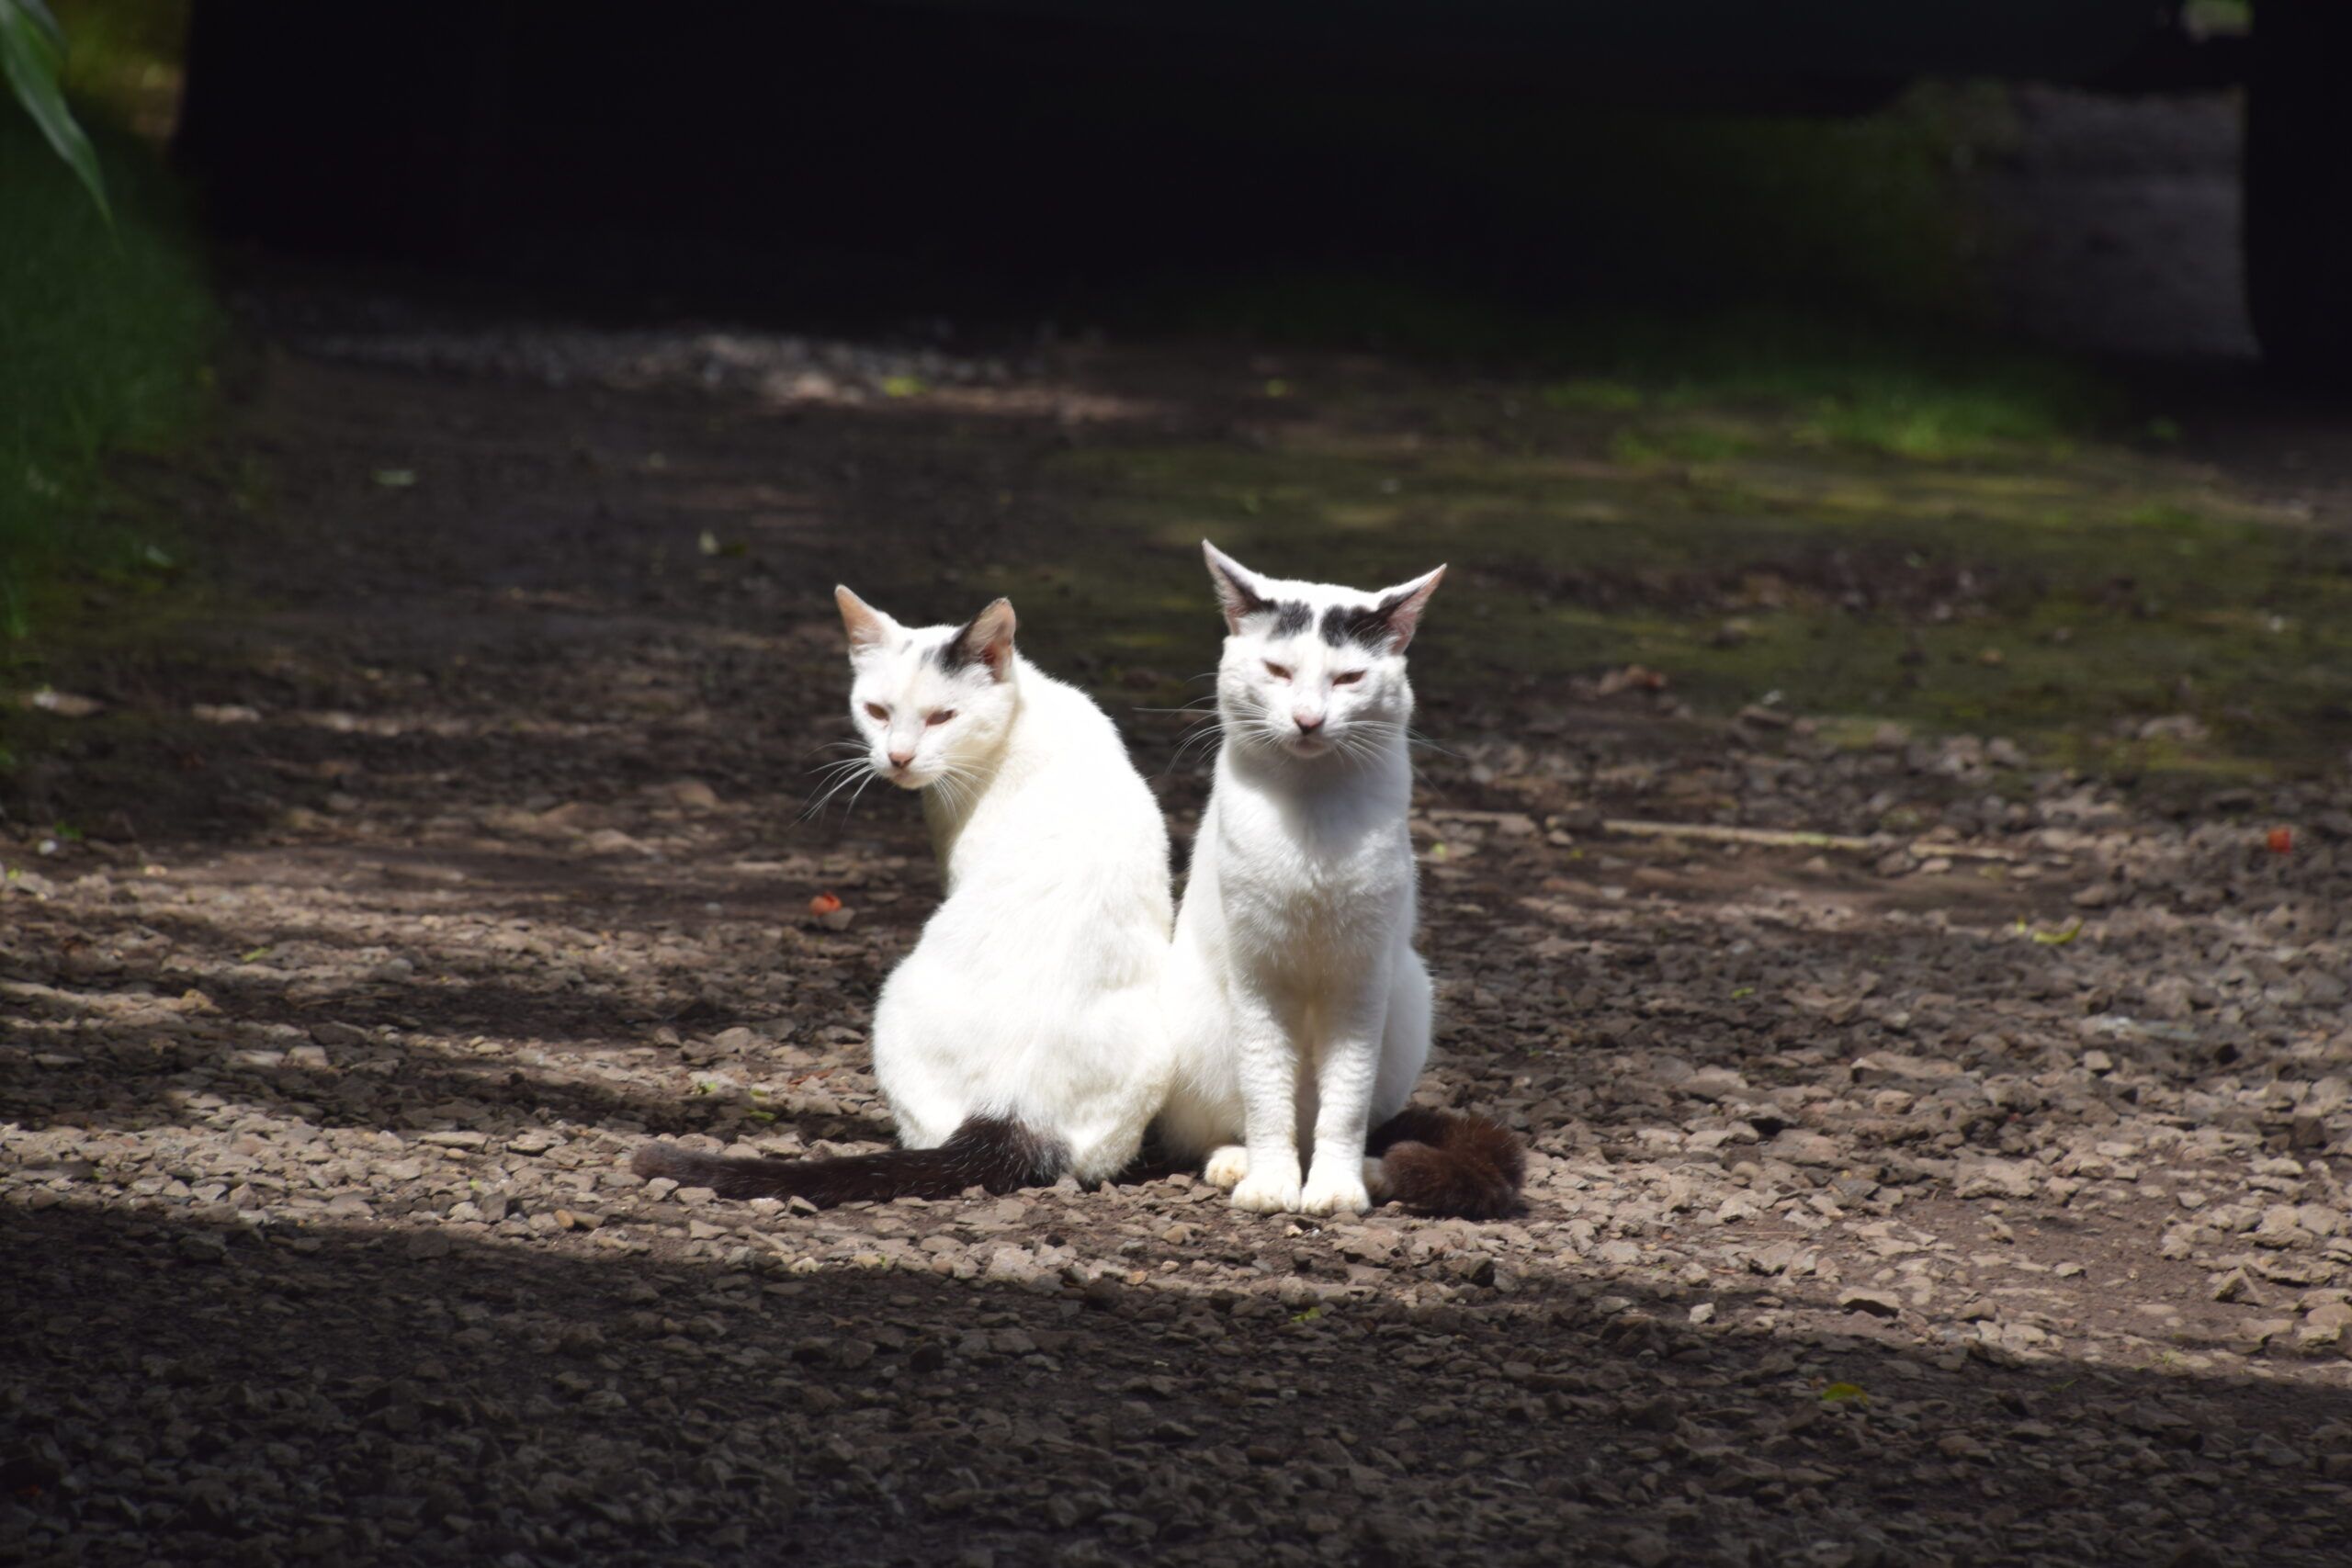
(1080, 761)
(1070, 824)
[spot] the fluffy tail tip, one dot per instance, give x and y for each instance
(1472, 1169)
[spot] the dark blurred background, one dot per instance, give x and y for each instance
(1022, 160)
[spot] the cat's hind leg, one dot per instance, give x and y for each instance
(1227, 1167)
(1404, 1053)
(1404, 1037)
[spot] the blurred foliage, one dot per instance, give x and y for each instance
(104, 330)
(32, 57)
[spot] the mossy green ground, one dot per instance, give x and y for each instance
(1931, 550)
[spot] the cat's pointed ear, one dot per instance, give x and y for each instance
(1237, 589)
(867, 626)
(986, 639)
(1401, 608)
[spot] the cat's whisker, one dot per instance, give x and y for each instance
(956, 787)
(851, 809)
(857, 750)
(1390, 731)
(840, 781)
(1194, 735)
(845, 764)
(833, 779)
(1202, 734)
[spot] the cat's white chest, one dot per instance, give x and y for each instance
(1325, 874)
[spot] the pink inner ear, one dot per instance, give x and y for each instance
(996, 653)
(1406, 618)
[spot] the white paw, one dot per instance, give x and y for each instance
(1226, 1166)
(1268, 1192)
(1335, 1194)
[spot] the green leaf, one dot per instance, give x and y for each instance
(46, 21)
(2060, 938)
(1843, 1393)
(32, 55)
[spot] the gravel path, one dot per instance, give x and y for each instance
(1975, 1197)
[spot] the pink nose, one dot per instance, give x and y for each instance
(900, 759)
(1307, 723)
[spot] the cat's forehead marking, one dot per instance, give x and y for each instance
(953, 653)
(1291, 617)
(910, 660)
(1366, 624)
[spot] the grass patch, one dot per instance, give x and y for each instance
(104, 338)
(1659, 263)
(2099, 608)
(1907, 387)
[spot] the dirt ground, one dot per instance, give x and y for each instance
(1970, 1197)
(1972, 1193)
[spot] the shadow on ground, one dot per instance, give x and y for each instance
(294, 1392)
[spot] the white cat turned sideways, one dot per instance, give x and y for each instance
(1022, 1038)
(1302, 1010)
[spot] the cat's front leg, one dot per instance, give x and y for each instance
(1228, 1164)
(1269, 1072)
(1344, 1074)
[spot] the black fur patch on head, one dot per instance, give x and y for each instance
(959, 652)
(1291, 617)
(1368, 625)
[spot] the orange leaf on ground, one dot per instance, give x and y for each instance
(2280, 841)
(823, 904)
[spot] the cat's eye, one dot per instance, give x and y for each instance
(877, 711)
(1346, 677)
(942, 716)
(1279, 671)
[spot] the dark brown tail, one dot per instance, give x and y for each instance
(985, 1151)
(1442, 1163)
